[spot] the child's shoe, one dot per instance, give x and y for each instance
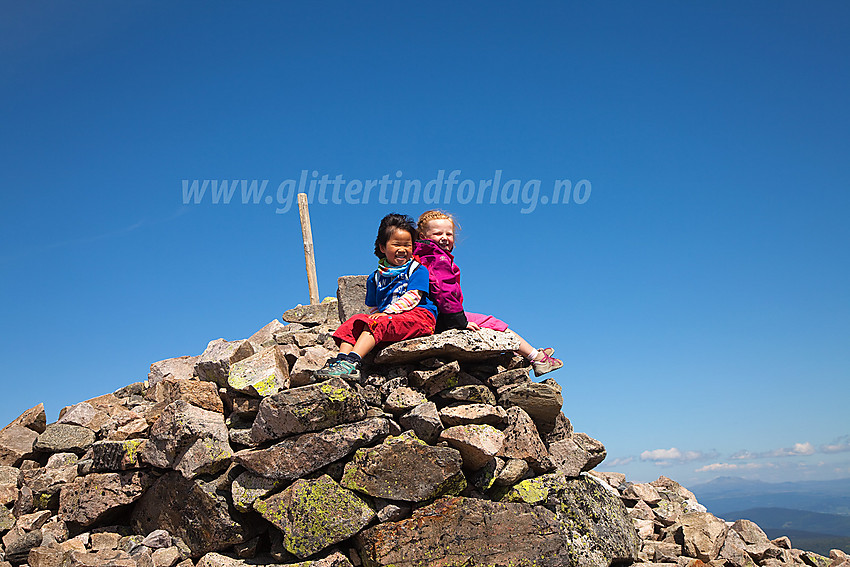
(546, 364)
(324, 372)
(340, 368)
(548, 351)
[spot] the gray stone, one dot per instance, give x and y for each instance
(424, 421)
(313, 359)
(577, 454)
(94, 497)
(403, 399)
(180, 368)
(472, 393)
(314, 314)
(405, 468)
(115, 455)
(101, 558)
(351, 296)
(750, 532)
(509, 377)
(513, 472)
(188, 439)
(466, 414)
(307, 408)
(46, 483)
(433, 381)
(261, 374)
(214, 364)
(250, 487)
(541, 401)
(703, 535)
(9, 477)
(642, 491)
(85, 415)
(187, 510)
(454, 344)
(523, 442)
(16, 444)
(157, 539)
(315, 514)
(7, 519)
(305, 453)
(60, 438)
(18, 544)
(477, 443)
(265, 336)
(562, 430)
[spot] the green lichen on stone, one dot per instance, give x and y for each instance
(335, 394)
(131, 450)
(532, 491)
(267, 386)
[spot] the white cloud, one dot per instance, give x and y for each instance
(840, 445)
(664, 456)
(734, 467)
(620, 461)
(798, 450)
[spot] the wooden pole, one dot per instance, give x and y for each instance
(309, 257)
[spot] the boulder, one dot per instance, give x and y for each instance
(405, 468)
(188, 439)
(9, 478)
(307, 408)
(261, 374)
(466, 414)
(313, 359)
(702, 535)
(302, 454)
(314, 314)
(34, 418)
(541, 401)
(115, 455)
(200, 394)
(188, 509)
(471, 393)
(523, 442)
(477, 443)
(351, 296)
(61, 437)
(85, 415)
(249, 487)
(403, 399)
(576, 454)
(16, 444)
(214, 364)
(265, 336)
(315, 514)
(98, 496)
(455, 344)
(432, 381)
(180, 368)
(424, 421)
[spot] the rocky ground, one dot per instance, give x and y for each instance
(445, 452)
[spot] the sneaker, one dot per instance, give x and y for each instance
(344, 369)
(548, 351)
(325, 371)
(545, 364)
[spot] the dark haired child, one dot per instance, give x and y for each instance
(397, 298)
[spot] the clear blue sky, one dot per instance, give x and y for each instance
(698, 293)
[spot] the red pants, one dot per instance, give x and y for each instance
(388, 328)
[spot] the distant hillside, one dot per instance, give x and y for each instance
(807, 530)
(819, 543)
(725, 494)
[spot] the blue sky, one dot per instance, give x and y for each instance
(695, 281)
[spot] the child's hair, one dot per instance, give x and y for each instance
(389, 224)
(431, 215)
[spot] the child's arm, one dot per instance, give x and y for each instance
(405, 303)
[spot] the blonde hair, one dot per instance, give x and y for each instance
(434, 214)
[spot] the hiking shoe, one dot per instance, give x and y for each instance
(548, 351)
(324, 371)
(343, 369)
(545, 364)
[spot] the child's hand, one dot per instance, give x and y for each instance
(377, 315)
(472, 326)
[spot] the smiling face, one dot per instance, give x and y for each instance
(442, 232)
(399, 247)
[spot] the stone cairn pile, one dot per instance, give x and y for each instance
(445, 452)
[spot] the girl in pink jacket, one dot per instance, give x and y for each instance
(436, 232)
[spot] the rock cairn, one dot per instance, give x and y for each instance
(445, 452)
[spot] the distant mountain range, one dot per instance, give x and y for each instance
(815, 515)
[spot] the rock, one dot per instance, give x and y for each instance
(454, 344)
(307, 408)
(596, 521)
(45, 556)
(508, 378)
(60, 438)
(405, 468)
(45, 483)
(671, 485)
(471, 393)
(85, 415)
(403, 399)
(265, 336)
(186, 510)
(481, 533)
(314, 314)
(92, 498)
(115, 455)
(750, 532)
(313, 359)
(214, 364)
(18, 544)
(188, 439)
(302, 454)
(424, 421)
(16, 444)
(166, 557)
(315, 514)
(34, 418)
(477, 443)
(9, 477)
(351, 296)
(513, 472)
(466, 414)
(157, 539)
(200, 394)
(523, 442)
(563, 430)
(102, 558)
(577, 454)
(180, 368)
(541, 401)
(250, 487)
(261, 374)
(642, 491)
(432, 381)
(703, 535)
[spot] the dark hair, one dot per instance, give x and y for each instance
(389, 224)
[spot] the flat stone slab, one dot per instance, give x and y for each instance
(454, 344)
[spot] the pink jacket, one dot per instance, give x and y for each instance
(444, 275)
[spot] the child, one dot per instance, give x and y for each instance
(437, 238)
(397, 297)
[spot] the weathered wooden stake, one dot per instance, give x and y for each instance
(309, 256)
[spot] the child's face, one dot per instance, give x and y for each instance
(399, 248)
(442, 232)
